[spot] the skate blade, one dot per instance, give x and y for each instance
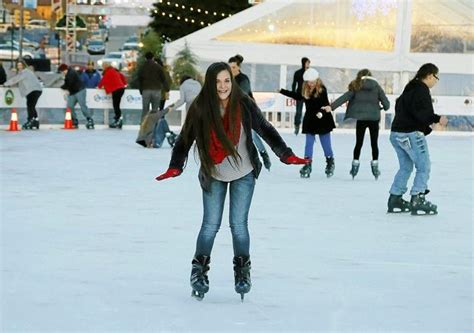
(397, 211)
(242, 297)
(197, 295)
(423, 213)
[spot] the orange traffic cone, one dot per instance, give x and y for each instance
(68, 120)
(14, 122)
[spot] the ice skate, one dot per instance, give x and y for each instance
(396, 204)
(330, 166)
(305, 171)
(297, 129)
(375, 169)
(117, 123)
(31, 124)
(199, 281)
(171, 138)
(242, 266)
(420, 206)
(90, 123)
(354, 168)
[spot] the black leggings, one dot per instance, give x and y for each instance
(373, 126)
(116, 98)
(31, 100)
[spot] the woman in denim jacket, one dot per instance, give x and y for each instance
(414, 114)
(220, 121)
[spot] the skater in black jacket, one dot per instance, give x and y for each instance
(220, 121)
(414, 114)
(316, 120)
(296, 87)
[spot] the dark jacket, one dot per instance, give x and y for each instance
(364, 104)
(297, 84)
(311, 123)
(244, 83)
(3, 75)
(90, 78)
(151, 76)
(72, 82)
(252, 119)
(414, 109)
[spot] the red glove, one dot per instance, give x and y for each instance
(293, 159)
(171, 172)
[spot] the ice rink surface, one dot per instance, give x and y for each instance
(90, 242)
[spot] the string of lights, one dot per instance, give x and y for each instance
(181, 18)
(193, 9)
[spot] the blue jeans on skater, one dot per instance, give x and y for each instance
(79, 97)
(412, 150)
(325, 140)
(241, 192)
(160, 132)
(258, 142)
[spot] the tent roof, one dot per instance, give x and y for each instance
(342, 34)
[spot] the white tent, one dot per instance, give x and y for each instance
(385, 35)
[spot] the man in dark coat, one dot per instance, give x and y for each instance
(296, 87)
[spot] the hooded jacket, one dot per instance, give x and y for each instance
(252, 119)
(297, 84)
(414, 109)
(112, 80)
(364, 104)
(90, 78)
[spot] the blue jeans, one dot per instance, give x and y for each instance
(241, 192)
(412, 150)
(325, 140)
(79, 97)
(160, 132)
(299, 113)
(258, 142)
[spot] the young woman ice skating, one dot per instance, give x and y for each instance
(316, 120)
(364, 96)
(220, 121)
(414, 114)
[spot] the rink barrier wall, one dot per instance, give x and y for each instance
(278, 109)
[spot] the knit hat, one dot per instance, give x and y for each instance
(310, 74)
(62, 67)
(90, 62)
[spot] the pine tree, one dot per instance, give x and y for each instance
(185, 64)
(173, 19)
(151, 43)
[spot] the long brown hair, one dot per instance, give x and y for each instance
(205, 116)
(356, 84)
(309, 92)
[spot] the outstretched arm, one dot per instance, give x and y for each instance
(272, 137)
(291, 94)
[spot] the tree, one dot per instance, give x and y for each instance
(173, 19)
(185, 64)
(151, 43)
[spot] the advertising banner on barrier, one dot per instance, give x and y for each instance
(267, 101)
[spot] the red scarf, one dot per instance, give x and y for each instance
(216, 150)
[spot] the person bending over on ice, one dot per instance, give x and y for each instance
(220, 121)
(315, 120)
(364, 96)
(414, 114)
